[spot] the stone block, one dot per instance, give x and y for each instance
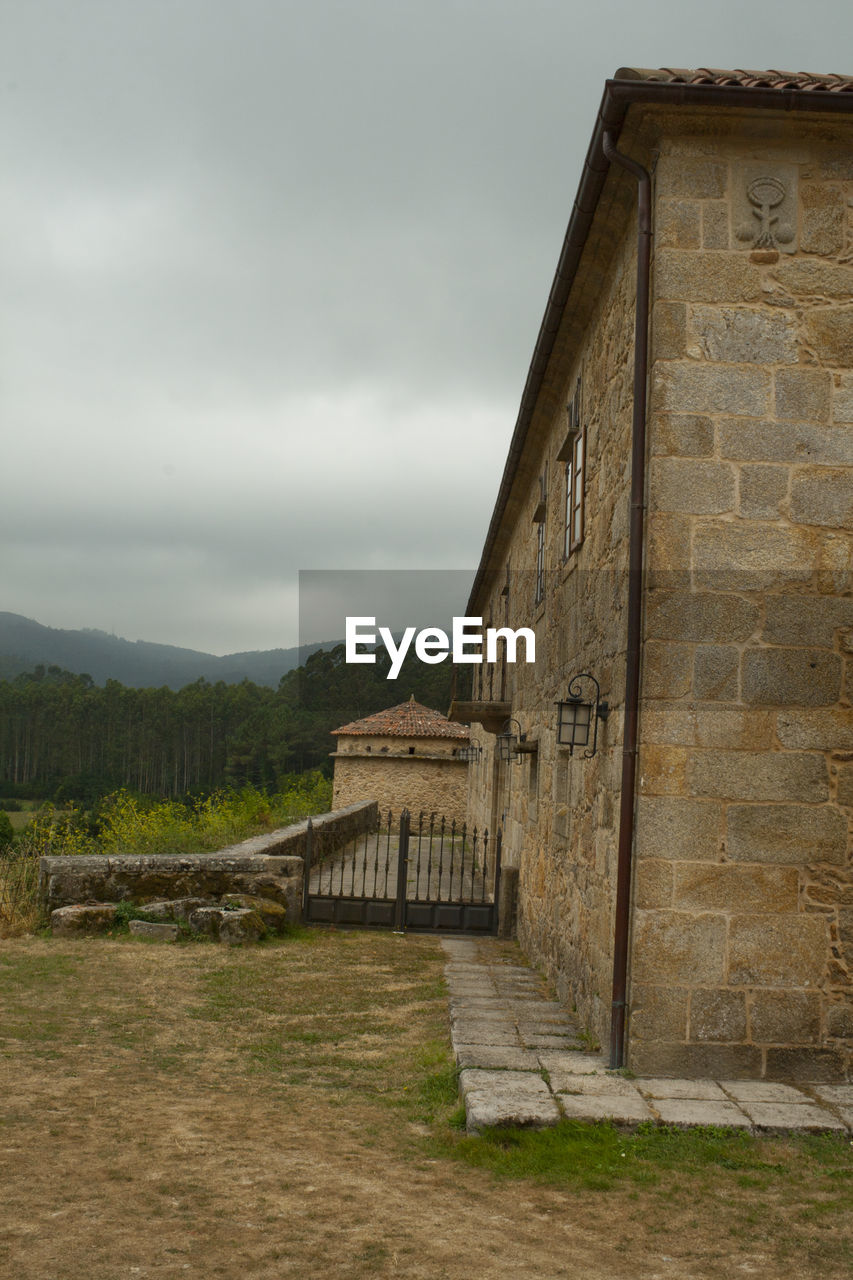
(658, 1012)
(669, 330)
(810, 279)
(667, 670)
(811, 1066)
(762, 491)
(677, 827)
(734, 728)
(751, 557)
(717, 1015)
(273, 914)
(232, 926)
(792, 834)
(662, 769)
(719, 1060)
(706, 276)
(575, 1063)
(777, 951)
(699, 886)
(842, 397)
(829, 332)
(653, 886)
(785, 1017)
(691, 486)
(161, 931)
(700, 617)
(716, 672)
(682, 948)
(690, 178)
(743, 335)
(71, 921)
(839, 1019)
(715, 224)
(822, 218)
(820, 496)
(765, 440)
(803, 394)
(817, 730)
(806, 620)
(678, 224)
(845, 785)
(680, 386)
(779, 677)
(758, 775)
(175, 909)
(668, 548)
(681, 434)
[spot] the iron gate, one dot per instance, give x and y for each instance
(418, 874)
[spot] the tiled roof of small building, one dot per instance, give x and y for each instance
(407, 720)
(746, 79)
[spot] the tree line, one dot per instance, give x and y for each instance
(66, 738)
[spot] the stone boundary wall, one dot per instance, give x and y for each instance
(270, 866)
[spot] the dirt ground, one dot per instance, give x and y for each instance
(194, 1110)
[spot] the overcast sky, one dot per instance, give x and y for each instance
(272, 274)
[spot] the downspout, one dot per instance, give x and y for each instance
(635, 603)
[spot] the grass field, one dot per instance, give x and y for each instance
(195, 1110)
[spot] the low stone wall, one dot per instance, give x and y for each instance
(268, 866)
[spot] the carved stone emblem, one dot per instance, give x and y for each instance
(765, 206)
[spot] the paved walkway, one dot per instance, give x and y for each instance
(524, 1062)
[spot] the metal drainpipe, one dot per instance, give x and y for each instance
(635, 602)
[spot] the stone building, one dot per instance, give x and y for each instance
(404, 757)
(675, 519)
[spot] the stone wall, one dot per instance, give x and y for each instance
(559, 812)
(742, 906)
(429, 779)
(268, 866)
(743, 930)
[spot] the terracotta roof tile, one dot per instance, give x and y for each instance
(802, 80)
(407, 720)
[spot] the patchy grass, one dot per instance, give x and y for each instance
(291, 1110)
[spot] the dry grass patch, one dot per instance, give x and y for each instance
(200, 1111)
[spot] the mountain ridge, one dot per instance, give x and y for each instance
(26, 643)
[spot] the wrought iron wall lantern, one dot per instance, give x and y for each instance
(577, 718)
(471, 752)
(508, 742)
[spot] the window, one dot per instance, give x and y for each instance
(540, 562)
(539, 518)
(573, 453)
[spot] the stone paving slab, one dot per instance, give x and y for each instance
(517, 1098)
(496, 1056)
(621, 1110)
(611, 1086)
(696, 1090)
(518, 1050)
(799, 1117)
(687, 1112)
(572, 1060)
(762, 1091)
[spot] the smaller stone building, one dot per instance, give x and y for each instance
(404, 757)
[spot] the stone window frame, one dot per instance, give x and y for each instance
(539, 517)
(573, 454)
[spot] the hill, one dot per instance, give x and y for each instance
(25, 644)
